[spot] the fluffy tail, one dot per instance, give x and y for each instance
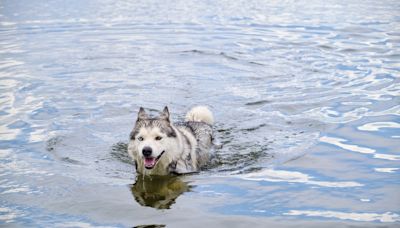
(200, 114)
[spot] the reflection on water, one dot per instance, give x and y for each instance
(158, 192)
(270, 175)
(376, 126)
(366, 217)
(386, 170)
(150, 226)
(340, 143)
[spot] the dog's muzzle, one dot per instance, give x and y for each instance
(150, 162)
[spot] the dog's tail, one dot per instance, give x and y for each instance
(200, 114)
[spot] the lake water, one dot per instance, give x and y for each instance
(305, 96)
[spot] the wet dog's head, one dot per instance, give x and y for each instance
(150, 142)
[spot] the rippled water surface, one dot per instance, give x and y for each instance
(305, 96)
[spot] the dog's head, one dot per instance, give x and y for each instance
(150, 142)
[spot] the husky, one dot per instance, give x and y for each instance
(159, 147)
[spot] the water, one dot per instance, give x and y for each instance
(305, 96)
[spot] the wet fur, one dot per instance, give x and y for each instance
(184, 147)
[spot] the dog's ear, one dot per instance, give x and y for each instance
(142, 114)
(165, 114)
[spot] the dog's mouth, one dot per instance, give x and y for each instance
(150, 162)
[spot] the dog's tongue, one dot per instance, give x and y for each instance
(149, 162)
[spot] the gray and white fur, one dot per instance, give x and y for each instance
(159, 147)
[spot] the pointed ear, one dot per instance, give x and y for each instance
(142, 114)
(165, 114)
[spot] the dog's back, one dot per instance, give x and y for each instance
(199, 121)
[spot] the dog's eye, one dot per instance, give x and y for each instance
(140, 138)
(158, 138)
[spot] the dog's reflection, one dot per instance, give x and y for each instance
(158, 191)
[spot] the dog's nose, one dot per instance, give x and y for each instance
(146, 151)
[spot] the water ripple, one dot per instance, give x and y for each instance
(363, 217)
(271, 175)
(376, 126)
(359, 149)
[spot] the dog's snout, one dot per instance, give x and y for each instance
(146, 151)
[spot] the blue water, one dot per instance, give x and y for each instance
(305, 96)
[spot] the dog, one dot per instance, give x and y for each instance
(159, 147)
